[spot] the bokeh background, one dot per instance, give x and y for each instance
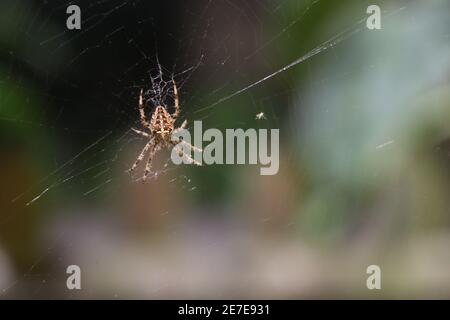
(364, 150)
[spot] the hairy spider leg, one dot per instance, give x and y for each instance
(177, 101)
(148, 165)
(144, 121)
(186, 157)
(183, 126)
(182, 142)
(141, 155)
(142, 133)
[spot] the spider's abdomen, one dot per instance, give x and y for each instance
(162, 121)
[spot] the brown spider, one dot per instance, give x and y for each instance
(161, 127)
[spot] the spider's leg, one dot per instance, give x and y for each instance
(187, 158)
(193, 148)
(182, 127)
(149, 162)
(141, 156)
(177, 101)
(144, 121)
(142, 133)
(175, 131)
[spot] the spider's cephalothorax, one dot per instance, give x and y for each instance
(159, 133)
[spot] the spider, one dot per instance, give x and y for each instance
(160, 130)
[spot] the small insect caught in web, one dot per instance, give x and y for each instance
(260, 116)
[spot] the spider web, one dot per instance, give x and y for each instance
(81, 124)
